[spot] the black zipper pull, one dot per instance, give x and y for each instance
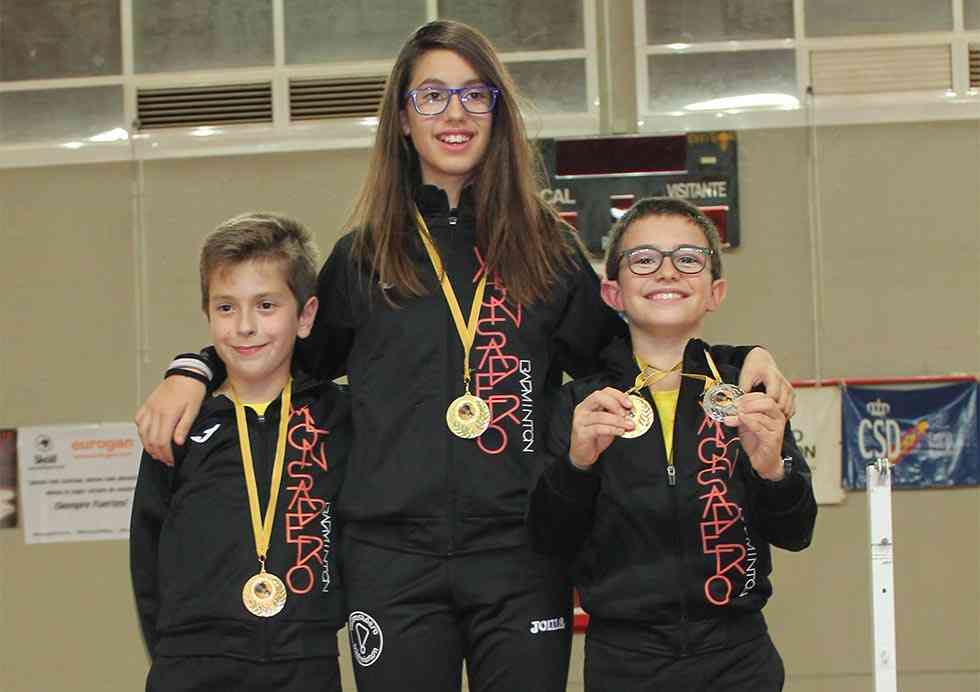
(452, 220)
(671, 475)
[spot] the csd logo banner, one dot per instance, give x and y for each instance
(928, 433)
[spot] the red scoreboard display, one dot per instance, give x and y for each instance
(592, 181)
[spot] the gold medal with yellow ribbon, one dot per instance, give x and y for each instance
(264, 594)
(468, 416)
(642, 412)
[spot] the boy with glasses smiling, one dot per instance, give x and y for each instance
(667, 485)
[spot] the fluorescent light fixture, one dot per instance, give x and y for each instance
(784, 101)
(116, 134)
(205, 131)
(73, 145)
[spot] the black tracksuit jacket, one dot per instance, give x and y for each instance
(191, 542)
(675, 557)
(411, 485)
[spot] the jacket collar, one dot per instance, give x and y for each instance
(302, 382)
(618, 360)
(433, 201)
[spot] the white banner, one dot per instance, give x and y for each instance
(816, 426)
(77, 481)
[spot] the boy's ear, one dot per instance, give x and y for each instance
(306, 317)
(612, 294)
(719, 288)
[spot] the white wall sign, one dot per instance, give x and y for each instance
(77, 481)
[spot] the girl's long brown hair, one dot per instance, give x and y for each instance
(522, 239)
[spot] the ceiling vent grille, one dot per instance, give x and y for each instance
(975, 67)
(347, 97)
(881, 70)
(224, 104)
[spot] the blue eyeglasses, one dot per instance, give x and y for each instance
(478, 99)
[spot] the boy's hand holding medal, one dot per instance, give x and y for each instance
(759, 418)
(761, 424)
(599, 419)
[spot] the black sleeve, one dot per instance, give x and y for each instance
(785, 511)
(730, 355)
(561, 507)
(324, 352)
(587, 324)
(151, 503)
(341, 434)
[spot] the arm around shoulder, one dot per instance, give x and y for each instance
(587, 324)
(326, 349)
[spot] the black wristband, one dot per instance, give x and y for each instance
(193, 374)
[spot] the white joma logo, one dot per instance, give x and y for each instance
(538, 626)
(206, 435)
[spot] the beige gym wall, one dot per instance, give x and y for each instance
(900, 290)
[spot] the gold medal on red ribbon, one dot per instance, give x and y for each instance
(264, 594)
(468, 416)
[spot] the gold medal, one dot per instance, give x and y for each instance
(642, 411)
(468, 416)
(264, 595)
(642, 416)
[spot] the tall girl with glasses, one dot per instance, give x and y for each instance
(435, 555)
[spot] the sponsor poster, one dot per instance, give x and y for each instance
(8, 478)
(928, 433)
(77, 481)
(816, 427)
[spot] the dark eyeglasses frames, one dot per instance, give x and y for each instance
(646, 259)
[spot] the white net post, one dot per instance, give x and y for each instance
(884, 666)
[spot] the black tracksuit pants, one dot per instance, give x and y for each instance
(631, 658)
(415, 618)
(223, 674)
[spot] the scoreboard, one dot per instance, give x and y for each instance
(592, 181)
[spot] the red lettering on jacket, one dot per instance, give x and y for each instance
(306, 452)
(495, 363)
(719, 514)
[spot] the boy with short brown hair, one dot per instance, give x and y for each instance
(666, 484)
(233, 549)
